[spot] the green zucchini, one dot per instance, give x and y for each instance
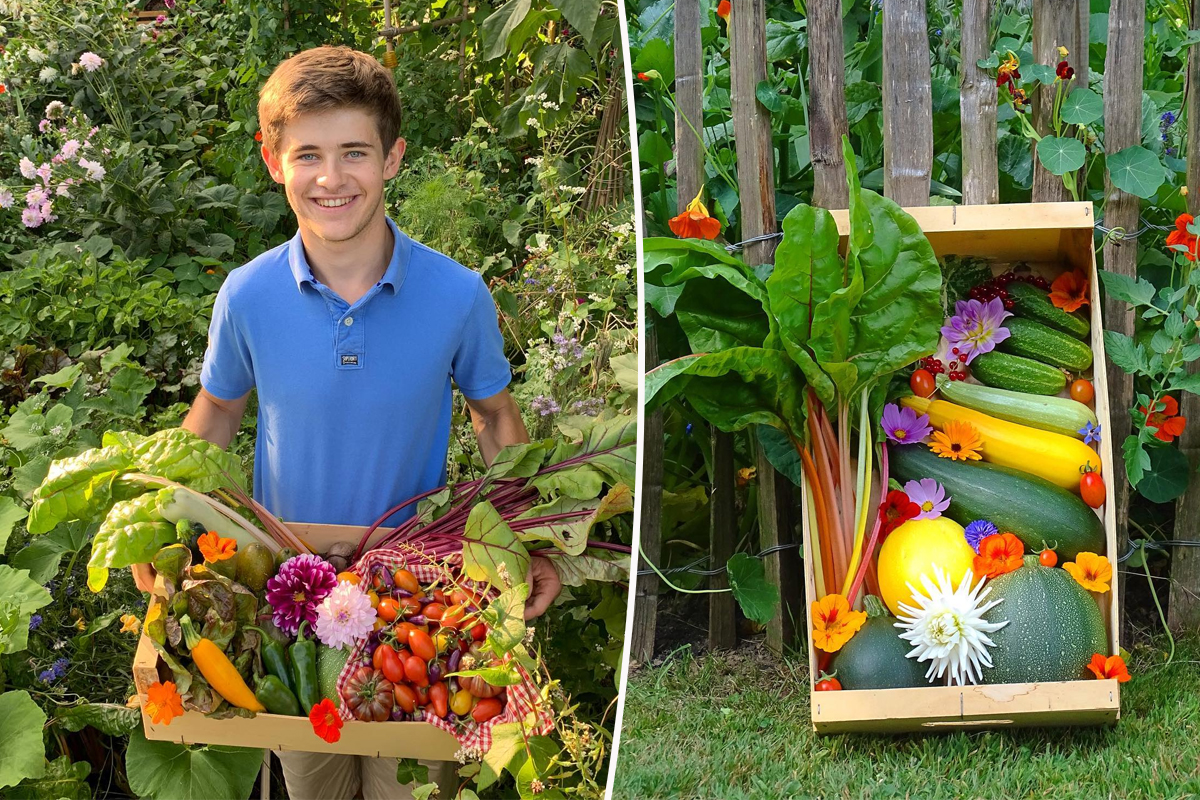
(1055, 414)
(1033, 303)
(1054, 626)
(1045, 344)
(1017, 373)
(1037, 511)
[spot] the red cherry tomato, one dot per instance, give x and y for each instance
(439, 697)
(1082, 391)
(388, 609)
(479, 632)
(453, 616)
(422, 695)
(486, 709)
(434, 611)
(1048, 558)
(406, 698)
(389, 663)
(922, 383)
(422, 645)
(377, 658)
(406, 581)
(408, 605)
(1091, 487)
(828, 683)
(415, 671)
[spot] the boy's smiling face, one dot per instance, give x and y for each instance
(333, 169)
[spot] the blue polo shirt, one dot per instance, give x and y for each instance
(354, 401)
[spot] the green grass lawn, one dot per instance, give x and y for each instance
(737, 724)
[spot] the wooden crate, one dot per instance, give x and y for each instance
(394, 739)
(1055, 236)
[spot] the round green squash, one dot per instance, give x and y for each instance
(1054, 626)
(874, 658)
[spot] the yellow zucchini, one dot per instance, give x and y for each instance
(1052, 456)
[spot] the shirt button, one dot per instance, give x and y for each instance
(348, 321)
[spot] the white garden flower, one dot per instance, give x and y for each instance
(35, 56)
(344, 616)
(47, 75)
(948, 629)
(91, 62)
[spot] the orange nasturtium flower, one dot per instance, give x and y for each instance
(1008, 73)
(216, 548)
(960, 441)
(998, 554)
(723, 8)
(1090, 571)
(1181, 235)
(1168, 422)
(326, 721)
(130, 624)
(163, 703)
(1111, 667)
(834, 623)
(1070, 290)
(258, 136)
(694, 222)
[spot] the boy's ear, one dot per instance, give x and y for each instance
(273, 164)
(391, 164)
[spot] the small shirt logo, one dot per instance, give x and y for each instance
(350, 361)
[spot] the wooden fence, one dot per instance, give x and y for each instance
(907, 161)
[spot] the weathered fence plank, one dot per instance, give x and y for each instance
(756, 184)
(827, 122)
(645, 608)
(977, 103)
(1184, 604)
(907, 103)
(722, 533)
(1122, 91)
(1083, 43)
(1055, 24)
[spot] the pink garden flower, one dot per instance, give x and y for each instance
(903, 425)
(91, 62)
(929, 495)
(31, 218)
(976, 327)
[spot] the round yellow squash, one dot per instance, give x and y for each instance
(912, 549)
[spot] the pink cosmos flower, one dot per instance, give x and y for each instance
(929, 495)
(903, 425)
(976, 327)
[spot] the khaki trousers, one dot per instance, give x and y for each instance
(325, 776)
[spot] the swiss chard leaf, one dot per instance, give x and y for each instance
(808, 270)
(77, 488)
(132, 533)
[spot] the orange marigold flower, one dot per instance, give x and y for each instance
(1090, 571)
(215, 548)
(1111, 667)
(998, 554)
(723, 8)
(1070, 290)
(163, 703)
(326, 721)
(695, 222)
(1181, 235)
(959, 442)
(1167, 422)
(834, 623)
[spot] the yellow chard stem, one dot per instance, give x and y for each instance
(866, 452)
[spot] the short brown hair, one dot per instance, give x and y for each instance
(324, 79)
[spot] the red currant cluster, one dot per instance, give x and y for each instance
(932, 365)
(998, 287)
(957, 374)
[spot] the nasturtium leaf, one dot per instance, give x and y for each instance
(409, 770)
(769, 96)
(491, 548)
(1167, 478)
(109, 718)
(169, 771)
(657, 56)
(1060, 154)
(10, 514)
(1136, 170)
(758, 599)
(654, 150)
(1082, 107)
(1038, 72)
(22, 754)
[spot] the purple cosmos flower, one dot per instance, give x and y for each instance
(298, 588)
(929, 495)
(979, 530)
(976, 327)
(903, 425)
(1091, 433)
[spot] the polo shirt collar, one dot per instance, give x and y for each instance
(393, 276)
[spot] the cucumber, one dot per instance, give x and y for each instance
(1033, 303)
(1034, 509)
(1054, 626)
(330, 663)
(1055, 414)
(1017, 373)
(1045, 344)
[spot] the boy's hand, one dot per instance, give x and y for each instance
(143, 576)
(544, 586)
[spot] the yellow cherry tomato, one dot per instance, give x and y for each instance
(441, 641)
(374, 598)
(379, 625)
(462, 702)
(349, 576)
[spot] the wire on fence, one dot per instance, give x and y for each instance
(1134, 546)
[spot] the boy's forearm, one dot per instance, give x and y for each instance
(215, 420)
(496, 428)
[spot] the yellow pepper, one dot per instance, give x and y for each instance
(218, 670)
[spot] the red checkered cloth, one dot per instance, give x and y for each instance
(523, 698)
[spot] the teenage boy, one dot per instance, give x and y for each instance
(351, 333)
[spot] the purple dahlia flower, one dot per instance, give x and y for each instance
(297, 589)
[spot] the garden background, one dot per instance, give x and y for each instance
(131, 184)
(742, 716)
